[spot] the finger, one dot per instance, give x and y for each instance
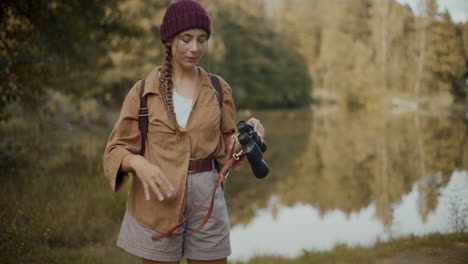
(156, 190)
(165, 184)
(254, 122)
(230, 147)
(257, 126)
(147, 193)
(261, 132)
(232, 141)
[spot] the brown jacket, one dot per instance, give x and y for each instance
(205, 137)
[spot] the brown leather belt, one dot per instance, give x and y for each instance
(201, 165)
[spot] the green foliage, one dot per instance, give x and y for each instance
(59, 45)
(263, 68)
(55, 194)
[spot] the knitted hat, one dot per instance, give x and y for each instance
(183, 15)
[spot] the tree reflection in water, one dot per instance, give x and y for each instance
(349, 160)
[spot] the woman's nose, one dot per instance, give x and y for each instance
(194, 47)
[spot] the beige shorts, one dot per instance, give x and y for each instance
(211, 243)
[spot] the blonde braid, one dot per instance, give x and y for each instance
(166, 85)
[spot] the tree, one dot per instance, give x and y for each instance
(264, 68)
(56, 45)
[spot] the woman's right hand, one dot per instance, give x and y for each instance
(151, 176)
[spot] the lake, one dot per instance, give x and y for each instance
(350, 177)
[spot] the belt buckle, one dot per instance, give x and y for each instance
(213, 165)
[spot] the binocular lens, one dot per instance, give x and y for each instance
(243, 138)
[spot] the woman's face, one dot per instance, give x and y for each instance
(188, 47)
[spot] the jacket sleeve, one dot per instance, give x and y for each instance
(124, 139)
(228, 119)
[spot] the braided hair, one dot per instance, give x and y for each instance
(166, 85)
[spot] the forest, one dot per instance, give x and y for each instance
(274, 54)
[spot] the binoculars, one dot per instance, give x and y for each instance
(253, 147)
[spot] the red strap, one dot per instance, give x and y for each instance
(219, 180)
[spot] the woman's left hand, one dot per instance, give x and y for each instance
(258, 127)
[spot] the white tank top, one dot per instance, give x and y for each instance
(182, 108)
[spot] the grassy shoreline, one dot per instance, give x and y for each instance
(454, 245)
(432, 248)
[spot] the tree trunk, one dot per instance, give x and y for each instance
(422, 47)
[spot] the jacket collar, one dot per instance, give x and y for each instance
(204, 78)
(152, 80)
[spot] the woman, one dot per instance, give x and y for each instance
(189, 132)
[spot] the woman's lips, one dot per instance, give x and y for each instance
(191, 59)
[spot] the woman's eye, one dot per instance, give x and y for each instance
(186, 40)
(201, 41)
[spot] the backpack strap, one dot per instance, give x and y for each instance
(143, 117)
(219, 90)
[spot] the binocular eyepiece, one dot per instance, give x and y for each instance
(253, 147)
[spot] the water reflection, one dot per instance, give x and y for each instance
(346, 177)
(304, 227)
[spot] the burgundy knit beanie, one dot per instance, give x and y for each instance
(183, 15)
